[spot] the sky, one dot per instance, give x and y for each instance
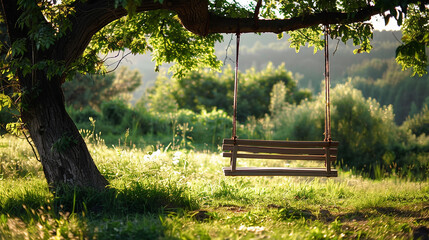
(378, 23)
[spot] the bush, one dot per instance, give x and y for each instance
(184, 127)
(419, 123)
(81, 117)
(206, 90)
(212, 127)
(202, 129)
(370, 141)
(366, 130)
(118, 118)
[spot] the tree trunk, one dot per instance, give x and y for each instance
(64, 155)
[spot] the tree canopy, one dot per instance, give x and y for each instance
(49, 40)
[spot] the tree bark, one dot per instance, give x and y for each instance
(64, 155)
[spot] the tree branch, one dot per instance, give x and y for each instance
(258, 6)
(10, 14)
(246, 25)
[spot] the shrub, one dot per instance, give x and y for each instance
(81, 117)
(212, 127)
(419, 123)
(370, 141)
(205, 128)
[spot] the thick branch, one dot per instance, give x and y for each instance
(246, 25)
(257, 8)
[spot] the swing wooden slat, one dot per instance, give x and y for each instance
(277, 171)
(276, 143)
(278, 150)
(281, 157)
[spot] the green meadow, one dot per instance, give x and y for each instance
(170, 193)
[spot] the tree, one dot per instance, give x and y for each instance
(50, 40)
(160, 98)
(207, 90)
(383, 80)
(85, 89)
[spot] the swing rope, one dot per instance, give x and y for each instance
(327, 132)
(234, 118)
(327, 90)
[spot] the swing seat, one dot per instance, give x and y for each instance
(280, 150)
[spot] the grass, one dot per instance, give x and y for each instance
(158, 193)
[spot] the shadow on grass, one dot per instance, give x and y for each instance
(289, 213)
(368, 213)
(324, 215)
(136, 211)
(136, 198)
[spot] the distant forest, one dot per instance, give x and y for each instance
(376, 74)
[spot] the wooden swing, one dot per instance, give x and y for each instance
(325, 150)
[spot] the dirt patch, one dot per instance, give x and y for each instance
(233, 208)
(353, 216)
(274, 206)
(202, 215)
(396, 212)
(325, 215)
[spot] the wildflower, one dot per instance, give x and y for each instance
(153, 156)
(176, 157)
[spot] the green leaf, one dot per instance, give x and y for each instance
(14, 128)
(5, 101)
(19, 47)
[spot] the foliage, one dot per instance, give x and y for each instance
(183, 128)
(161, 33)
(92, 90)
(370, 141)
(278, 98)
(115, 118)
(419, 123)
(208, 128)
(384, 81)
(412, 53)
(9, 92)
(160, 97)
(205, 90)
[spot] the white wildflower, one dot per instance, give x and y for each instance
(152, 157)
(255, 229)
(176, 157)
